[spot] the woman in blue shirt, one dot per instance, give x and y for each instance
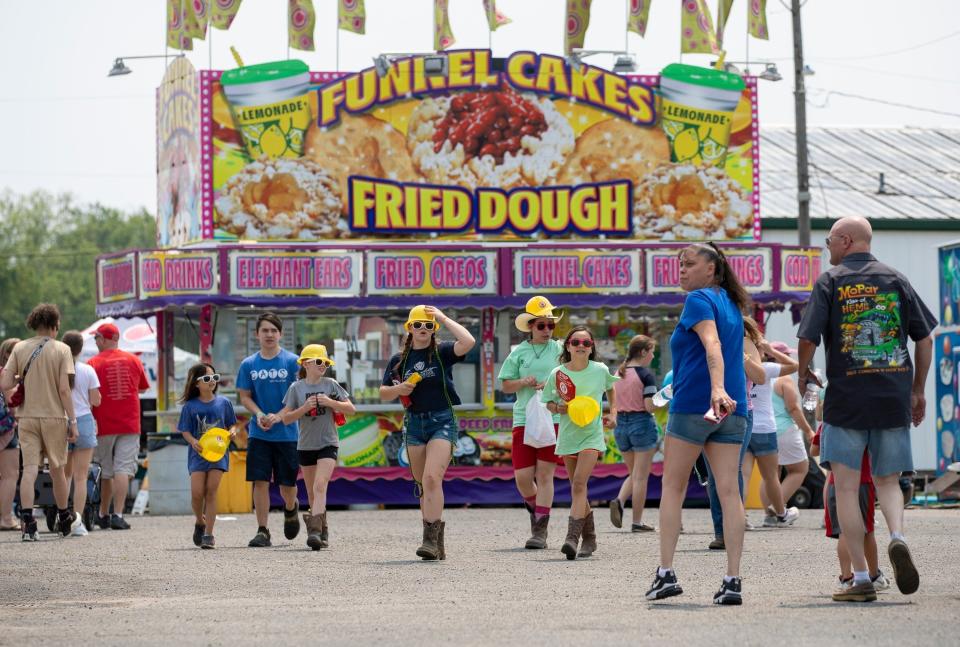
(708, 378)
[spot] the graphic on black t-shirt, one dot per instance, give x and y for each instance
(871, 338)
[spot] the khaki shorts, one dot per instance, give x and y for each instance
(43, 436)
(117, 454)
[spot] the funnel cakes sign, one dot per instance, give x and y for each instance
(533, 149)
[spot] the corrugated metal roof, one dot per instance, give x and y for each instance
(920, 168)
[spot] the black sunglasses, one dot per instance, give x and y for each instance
(586, 343)
(209, 378)
(426, 325)
(545, 326)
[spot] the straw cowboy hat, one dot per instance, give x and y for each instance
(537, 308)
(315, 351)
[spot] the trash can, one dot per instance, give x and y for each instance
(169, 480)
(235, 494)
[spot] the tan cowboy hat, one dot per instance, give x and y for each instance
(537, 308)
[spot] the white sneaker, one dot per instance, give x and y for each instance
(78, 529)
(880, 582)
(846, 584)
(789, 517)
(748, 526)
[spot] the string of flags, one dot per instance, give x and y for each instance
(188, 20)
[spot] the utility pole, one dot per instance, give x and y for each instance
(800, 114)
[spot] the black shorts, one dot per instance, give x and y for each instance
(277, 462)
(310, 457)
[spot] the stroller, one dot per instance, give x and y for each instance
(44, 498)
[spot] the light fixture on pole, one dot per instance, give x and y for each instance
(770, 71)
(625, 63)
(120, 68)
(433, 64)
(808, 71)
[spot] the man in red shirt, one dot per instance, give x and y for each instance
(122, 380)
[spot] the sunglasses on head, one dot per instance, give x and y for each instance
(426, 325)
(545, 326)
(206, 379)
(586, 343)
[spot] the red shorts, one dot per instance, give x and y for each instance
(526, 456)
(831, 521)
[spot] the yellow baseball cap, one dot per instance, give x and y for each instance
(214, 443)
(583, 410)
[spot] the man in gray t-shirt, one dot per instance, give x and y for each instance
(317, 428)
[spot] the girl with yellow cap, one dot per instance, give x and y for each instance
(421, 375)
(314, 400)
(524, 372)
(203, 409)
(574, 390)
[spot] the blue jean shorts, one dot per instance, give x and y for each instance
(421, 428)
(762, 444)
(636, 431)
(86, 433)
(890, 451)
(692, 428)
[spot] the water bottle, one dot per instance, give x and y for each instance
(663, 396)
(812, 395)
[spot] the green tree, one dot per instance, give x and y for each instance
(48, 250)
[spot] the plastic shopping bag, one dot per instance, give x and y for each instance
(538, 431)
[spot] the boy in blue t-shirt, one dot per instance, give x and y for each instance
(262, 382)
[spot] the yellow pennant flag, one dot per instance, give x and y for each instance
(696, 29)
(578, 19)
(196, 14)
(442, 34)
(639, 13)
(301, 20)
(222, 13)
(494, 18)
(352, 16)
(723, 12)
(757, 18)
(177, 37)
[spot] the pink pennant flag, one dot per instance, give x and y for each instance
(442, 34)
(195, 18)
(757, 18)
(352, 16)
(494, 18)
(177, 37)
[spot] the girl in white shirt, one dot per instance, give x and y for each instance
(86, 394)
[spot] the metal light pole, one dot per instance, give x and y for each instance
(800, 114)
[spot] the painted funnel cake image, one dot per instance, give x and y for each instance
(491, 138)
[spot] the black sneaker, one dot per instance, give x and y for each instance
(291, 523)
(729, 592)
(28, 530)
(208, 542)
(261, 539)
(664, 586)
(118, 523)
(64, 523)
(198, 533)
(103, 522)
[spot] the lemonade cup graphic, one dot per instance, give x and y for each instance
(697, 106)
(270, 106)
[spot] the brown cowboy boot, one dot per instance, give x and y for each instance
(314, 523)
(325, 533)
(441, 551)
(589, 543)
(539, 533)
(574, 529)
(429, 549)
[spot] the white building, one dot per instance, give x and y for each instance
(905, 180)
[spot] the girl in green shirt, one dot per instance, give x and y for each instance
(580, 446)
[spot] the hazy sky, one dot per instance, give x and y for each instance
(68, 127)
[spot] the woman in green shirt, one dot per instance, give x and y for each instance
(580, 445)
(524, 372)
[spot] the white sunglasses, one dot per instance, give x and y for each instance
(206, 379)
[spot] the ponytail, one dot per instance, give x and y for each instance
(724, 274)
(638, 346)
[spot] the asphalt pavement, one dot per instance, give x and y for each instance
(150, 585)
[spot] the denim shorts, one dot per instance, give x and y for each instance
(421, 428)
(890, 451)
(692, 428)
(762, 444)
(636, 431)
(86, 433)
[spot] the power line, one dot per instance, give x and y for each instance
(829, 93)
(890, 53)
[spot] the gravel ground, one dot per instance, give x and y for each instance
(150, 585)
